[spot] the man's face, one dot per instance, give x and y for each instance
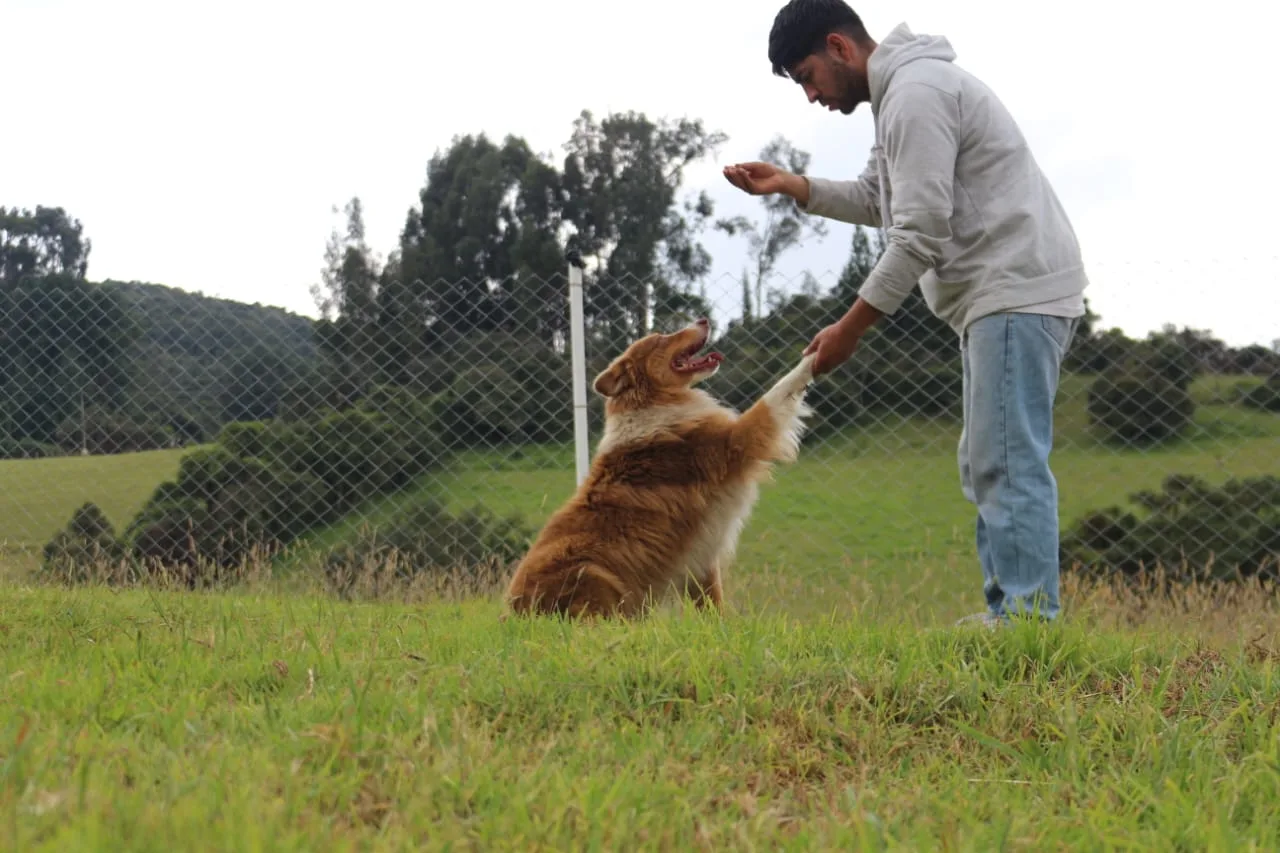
(833, 77)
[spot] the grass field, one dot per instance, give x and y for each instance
(144, 721)
(832, 707)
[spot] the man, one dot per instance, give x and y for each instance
(970, 217)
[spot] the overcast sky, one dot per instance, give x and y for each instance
(204, 145)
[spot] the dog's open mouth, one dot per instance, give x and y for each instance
(689, 361)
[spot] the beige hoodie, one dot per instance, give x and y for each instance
(970, 215)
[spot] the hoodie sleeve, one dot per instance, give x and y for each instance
(921, 138)
(856, 201)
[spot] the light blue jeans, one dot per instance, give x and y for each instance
(1011, 368)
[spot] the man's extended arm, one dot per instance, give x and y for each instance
(856, 201)
(921, 142)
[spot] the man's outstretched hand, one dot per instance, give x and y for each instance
(834, 345)
(767, 179)
(837, 342)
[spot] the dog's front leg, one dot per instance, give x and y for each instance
(793, 385)
(770, 430)
(786, 410)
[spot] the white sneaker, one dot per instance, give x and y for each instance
(986, 620)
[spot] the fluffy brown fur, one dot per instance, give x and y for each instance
(673, 480)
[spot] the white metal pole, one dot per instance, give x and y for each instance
(577, 330)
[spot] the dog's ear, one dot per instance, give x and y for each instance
(612, 382)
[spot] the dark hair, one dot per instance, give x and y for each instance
(801, 27)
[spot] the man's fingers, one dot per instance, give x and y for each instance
(738, 178)
(815, 344)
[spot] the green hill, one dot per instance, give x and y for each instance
(203, 361)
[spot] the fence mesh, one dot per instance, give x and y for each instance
(431, 429)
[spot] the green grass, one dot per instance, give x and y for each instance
(249, 722)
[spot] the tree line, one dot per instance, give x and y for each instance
(469, 307)
(458, 339)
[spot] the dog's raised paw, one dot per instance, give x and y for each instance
(806, 366)
(801, 376)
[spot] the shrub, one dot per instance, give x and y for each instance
(472, 549)
(1188, 529)
(263, 485)
(865, 388)
(1138, 407)
(85, 548)
(1264, 397)
(245, 438)
(27, 448)
(223, 510)
(914, 391)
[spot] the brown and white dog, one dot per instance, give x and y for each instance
(673, 480)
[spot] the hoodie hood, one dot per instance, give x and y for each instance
(897, 49)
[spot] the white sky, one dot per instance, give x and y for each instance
(203, 145)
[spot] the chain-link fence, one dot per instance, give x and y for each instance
(432, 430)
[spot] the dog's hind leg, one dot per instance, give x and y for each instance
(706, 591)
(598, 594)
(584, 591)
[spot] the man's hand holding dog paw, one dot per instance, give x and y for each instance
(833, 346)
(836, 343)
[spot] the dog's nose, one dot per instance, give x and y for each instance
(701, 321)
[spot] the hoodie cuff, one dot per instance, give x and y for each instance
(891, 280)
(831, 199)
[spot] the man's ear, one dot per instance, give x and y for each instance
(612, 382)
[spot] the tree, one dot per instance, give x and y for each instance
(63, 341)
(481, 248)
(476, 212)
(349, 278)
(621, 179)
(255, 380)
(784, 226)
(530, 300)
(348, 301)
(41, 243)
(865, 251)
